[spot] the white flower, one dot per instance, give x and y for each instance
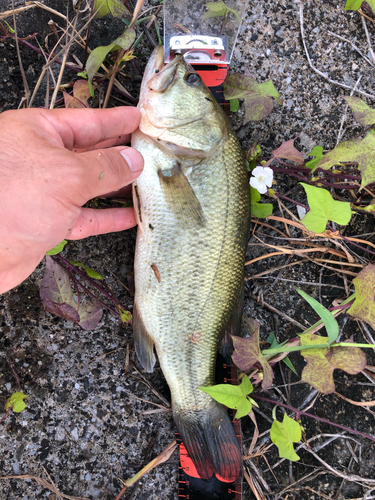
(262, 178)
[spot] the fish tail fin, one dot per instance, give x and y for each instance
(211, 442)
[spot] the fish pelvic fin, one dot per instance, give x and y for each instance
(144, 345)
(211, 442)
(180, 196)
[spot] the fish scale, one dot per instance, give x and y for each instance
(189, 270)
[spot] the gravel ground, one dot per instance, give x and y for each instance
(85, 423)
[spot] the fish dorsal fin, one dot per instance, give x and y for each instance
(180, 196)
(144, 345)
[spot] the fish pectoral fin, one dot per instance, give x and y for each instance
(180, 196)
(144, 345)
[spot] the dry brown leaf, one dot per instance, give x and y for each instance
(256, 432)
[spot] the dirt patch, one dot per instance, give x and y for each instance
(85, 421)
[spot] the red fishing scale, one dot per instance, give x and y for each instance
(206, 39)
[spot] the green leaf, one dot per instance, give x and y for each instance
(115, 7)
(370, 209)
(233, 396)
(215, 9)
(326, 316)
(16, 402)
(363, 114)
(254, 196)
(92, 93)
(90, 272)
(96, 58)
(356, 4)
(234, 105)
(251, 156)
(247, 355)
(271, 339)
(125, 316)
(244, 408)
(10, 29)
(316, 151)
(98, 55)
(125, 41)
(322, 362)
(219, 8)
(363, 307)
(361, 151)
(57, 249)
(289, 364)
(101, 9)
(118, 9)
(324, 208)
(318, 372)
(260, 210)
(257, 96)
(284, 434)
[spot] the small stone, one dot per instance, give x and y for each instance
(74, 433)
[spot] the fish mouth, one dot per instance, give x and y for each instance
(161, 80)
(154, 66)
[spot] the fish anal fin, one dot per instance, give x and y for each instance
(144, 345)
(180, 196)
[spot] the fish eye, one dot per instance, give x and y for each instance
(193, 79)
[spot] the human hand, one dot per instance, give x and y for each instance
(51, 163)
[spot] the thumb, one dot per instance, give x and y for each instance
(105, 170)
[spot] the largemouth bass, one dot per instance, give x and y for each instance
(192, 205)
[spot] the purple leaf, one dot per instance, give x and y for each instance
(63, 310)
(90, 313)
(58, 298)
(257, 97)
(56, 284)
(247, 355)
(289, 152)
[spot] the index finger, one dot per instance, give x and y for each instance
(84, 128)
(119, 140)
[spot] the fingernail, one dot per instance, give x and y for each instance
(134, 159)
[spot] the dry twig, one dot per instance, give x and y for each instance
(163, 457)
(24, 79)
(45, 484)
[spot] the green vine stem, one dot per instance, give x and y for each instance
(278, 350)
(325, 420)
